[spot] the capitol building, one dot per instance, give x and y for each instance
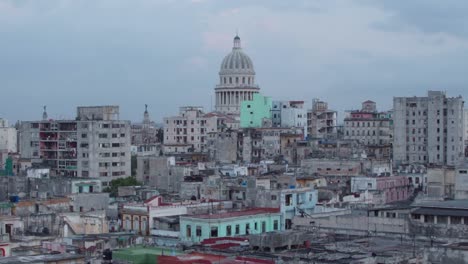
(236, 81)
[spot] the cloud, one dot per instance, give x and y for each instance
(167, 53)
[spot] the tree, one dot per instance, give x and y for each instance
(115, 184)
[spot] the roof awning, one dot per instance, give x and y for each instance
(440, 212)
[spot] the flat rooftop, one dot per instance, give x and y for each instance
(449, 204)
(253, 211)
(41, 258)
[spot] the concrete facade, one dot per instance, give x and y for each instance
(441, 182)
(321, 121)
(8, 137)
(461, 182)
(188, 132)
(393, 189)
(258, 144)
(368, 126)
(428, 129)
(98, 148)
(161, 172)
(289, 114)
(223, 146)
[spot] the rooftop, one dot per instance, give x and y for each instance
(450, 204)
(253, 211)
(40, 258)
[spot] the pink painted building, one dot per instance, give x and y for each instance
(384, 189)
(394, 188)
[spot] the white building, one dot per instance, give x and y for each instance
(428, 129)
(8, 137)
(188, 131)
(289, 114)
(236, 81)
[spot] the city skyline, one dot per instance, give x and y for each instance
(65, 54)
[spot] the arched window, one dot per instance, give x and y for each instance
(143, 225)
(127, 223)
(135, 224)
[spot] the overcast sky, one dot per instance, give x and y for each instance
(167, 53)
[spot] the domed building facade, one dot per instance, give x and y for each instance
(236, 81)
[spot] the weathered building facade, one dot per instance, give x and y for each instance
(428, 129)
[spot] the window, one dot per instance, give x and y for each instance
(273, 197)
(288, 201)
(214, 231)
(228, 230)
(275, 225)
(188, 231)
(84, 135)
(255, 226)
(247, 228)
(114, 135)
(263, 227)
(198, 231)
(237, 229)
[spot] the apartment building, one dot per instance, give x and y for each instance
(371, 128)
(321, 121)
(428, 129)
(188, 131)
(96, 144)
(289, 114)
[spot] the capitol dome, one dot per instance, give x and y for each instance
(237, 62)
(236, 81)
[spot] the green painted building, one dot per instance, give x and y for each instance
(255, 111)
(197, 228)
